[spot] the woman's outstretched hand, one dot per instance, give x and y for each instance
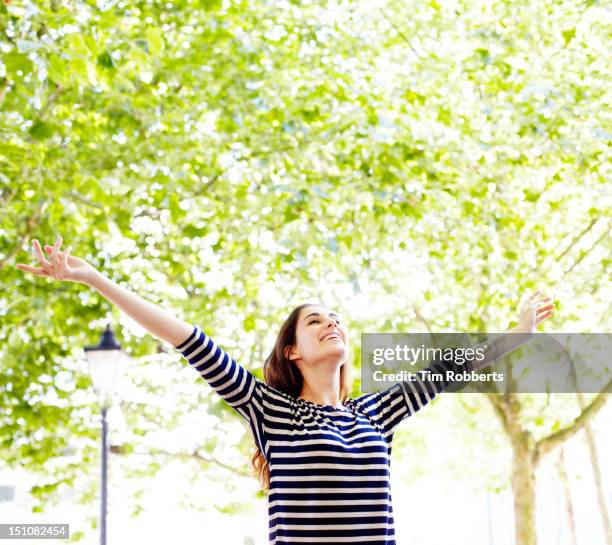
(536, 308)
(60, 265)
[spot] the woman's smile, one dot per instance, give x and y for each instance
(333, 335)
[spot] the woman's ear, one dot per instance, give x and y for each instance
(291, 353)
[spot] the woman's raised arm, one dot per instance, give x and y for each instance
(235, 384)
(62, 266)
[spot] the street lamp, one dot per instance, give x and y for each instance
(104, 365)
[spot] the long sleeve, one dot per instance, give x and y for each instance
(238, 387)
(386, 409)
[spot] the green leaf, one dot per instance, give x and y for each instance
(155, 39)
(41, 130)
(105, 60)
(568, 35)
(249, 323)
(210, 5)
(15, 62)
(58, 71)
(78, 68)
(531, 196)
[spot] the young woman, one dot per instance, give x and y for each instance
(323, 456)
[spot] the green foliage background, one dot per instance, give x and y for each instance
(228, 160)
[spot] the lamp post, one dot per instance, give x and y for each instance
(104, 363)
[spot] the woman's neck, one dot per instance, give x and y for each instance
(321, 386)
(322, 390)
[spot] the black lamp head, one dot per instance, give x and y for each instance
(107, 341)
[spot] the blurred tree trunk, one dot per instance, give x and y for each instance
(601, 499)
(523, 488)
(569, 506)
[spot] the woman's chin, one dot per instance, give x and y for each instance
(337, 354)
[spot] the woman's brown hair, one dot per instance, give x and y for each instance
(282, 373)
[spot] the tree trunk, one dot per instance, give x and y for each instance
(527, 454)
(523, 488)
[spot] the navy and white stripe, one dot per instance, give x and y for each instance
(329, 467)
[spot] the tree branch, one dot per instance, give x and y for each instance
(400, 33)
(119, 449)
(587, 252)
(546, 444)
(422, 318)
(82, 199)
(577, 238)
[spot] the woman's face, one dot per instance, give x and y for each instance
(320, 337)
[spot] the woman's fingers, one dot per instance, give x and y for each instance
(57, 260)
(56, 246)
(65, 257)
(538, 306)
(545, 310)
(46, 266)
(33, 270)
(537, 298)
(55, 266)
(534, 295)
(542, 317)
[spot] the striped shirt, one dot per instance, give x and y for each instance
(329, 467)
